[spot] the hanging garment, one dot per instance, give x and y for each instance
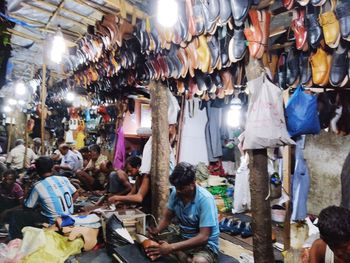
(241, 196)
(119, 156)
(213, 133)
(300, 183)
(69, 137)
(80, 143)
(265, 126)
(173, 108)
(345, 183)
(193, 134)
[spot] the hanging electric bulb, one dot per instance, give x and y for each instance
(6, 108)
(70, 96)
(167, 12)
(20, 88)
(234, 113)
(12, 102)
(21, 102)
(58, 47)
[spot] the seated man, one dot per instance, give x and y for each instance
(196, 211)
(15, 158)
(93, 177)
(11, 194)
(54, 194)
(86, 155)
(334, 244)
(70, 162)
(141, 190)
(118, 182)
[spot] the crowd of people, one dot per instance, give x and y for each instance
(54, 194)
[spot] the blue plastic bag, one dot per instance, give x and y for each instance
(302, 115)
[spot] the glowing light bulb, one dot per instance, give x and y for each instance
(20, 88)
(167, 12)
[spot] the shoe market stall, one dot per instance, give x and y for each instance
(245, 81)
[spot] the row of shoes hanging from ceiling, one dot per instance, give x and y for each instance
(320, 57)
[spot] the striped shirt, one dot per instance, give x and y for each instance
(54, 194)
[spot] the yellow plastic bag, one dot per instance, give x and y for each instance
(56, 250)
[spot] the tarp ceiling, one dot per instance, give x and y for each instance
(73, 17)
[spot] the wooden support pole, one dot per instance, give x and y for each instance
(160, 149)
(43, 115)
(26, 132)
(9, 140)
(259, 189)
(180, 128)
(287, 169)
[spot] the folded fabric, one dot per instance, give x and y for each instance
(56, 250)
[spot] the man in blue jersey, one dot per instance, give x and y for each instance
(54, 194)
(195, 209)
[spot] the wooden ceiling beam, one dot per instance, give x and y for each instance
(102, 9)
(87, 19)
(55, 13)
(24, 35)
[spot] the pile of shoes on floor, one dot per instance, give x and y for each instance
(236, 227)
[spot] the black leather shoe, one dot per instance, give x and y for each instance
(211, 11)
(339, 73)
(240, 10)
(225, 11)
(282, 71)
(313, 27)
(224, 40)
(292, 67)
(202, 81)
(198, 16)
(182, 20)
(305, 68)
(217, 80)
(213, 45)
(237, 46)
(343, 14)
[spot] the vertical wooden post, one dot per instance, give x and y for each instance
(26, 141)
(43, 115)
(261, 211)
(9, 140)
(160, 149)
(287, 168)
(259, 189)
(180, 127)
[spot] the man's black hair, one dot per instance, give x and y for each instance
(84, 150)
(183, 174)
(8, 172)
(334, 225)
(95, 148)
(134, 161)
(43, 165)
